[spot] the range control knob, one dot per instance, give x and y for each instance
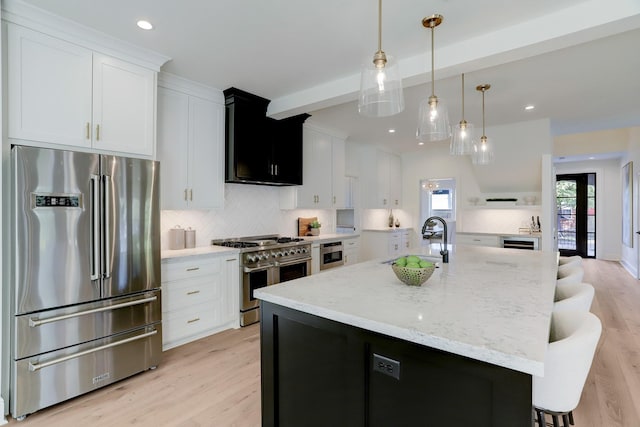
(251, 258)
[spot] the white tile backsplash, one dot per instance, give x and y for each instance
(483, 220)
(249, 210)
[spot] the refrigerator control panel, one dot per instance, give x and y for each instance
(39, 200)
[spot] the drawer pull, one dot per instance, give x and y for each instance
(197, 319)
(37, 322)
(193, 292)
(193, 268)
(37, 366)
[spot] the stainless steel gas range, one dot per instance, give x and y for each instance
(265, 261)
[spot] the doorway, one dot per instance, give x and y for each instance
(576, 214)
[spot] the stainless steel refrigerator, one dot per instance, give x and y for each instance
(86, 306)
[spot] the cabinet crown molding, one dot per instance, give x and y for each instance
(21, 13)
(190, 87)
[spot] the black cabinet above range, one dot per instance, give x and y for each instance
(259, 149)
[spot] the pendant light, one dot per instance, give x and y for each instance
(380, 82)
(482, 152)
(433, 119)
(462, 140)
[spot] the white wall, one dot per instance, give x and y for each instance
(629, 258)
(434, 161)
(249, 210)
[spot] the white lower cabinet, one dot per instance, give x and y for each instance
(200, 297)
(351, 250)
(384, 243)
(478, 240)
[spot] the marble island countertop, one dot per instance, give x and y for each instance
(489, 304)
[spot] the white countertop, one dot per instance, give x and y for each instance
(489, 304)
(330, 237)
(534, 234)
(387, 230)
(202, 250)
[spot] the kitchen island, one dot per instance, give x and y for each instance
(357, 347)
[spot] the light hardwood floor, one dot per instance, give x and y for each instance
(216, 381)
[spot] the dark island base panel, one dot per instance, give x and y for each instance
(317, 372)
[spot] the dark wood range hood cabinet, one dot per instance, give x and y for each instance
(259, 149)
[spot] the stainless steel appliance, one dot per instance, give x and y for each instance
(331, 255)
(265, 261)
(529, 243)
(85, 301)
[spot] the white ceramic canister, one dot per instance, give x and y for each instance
(190, 238)
(176, 238)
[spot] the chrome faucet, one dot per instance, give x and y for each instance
(444, 251)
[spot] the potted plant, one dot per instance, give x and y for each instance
(314, 227)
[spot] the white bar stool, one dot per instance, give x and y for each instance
(573, 274)
(573, 296)
(564, 260)
(572, 345)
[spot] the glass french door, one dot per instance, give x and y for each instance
(576, 214)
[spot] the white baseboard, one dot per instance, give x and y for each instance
(631, 269)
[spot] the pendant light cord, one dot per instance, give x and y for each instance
(379, 25)
(433, 78)
(483, 113)
(462, 96)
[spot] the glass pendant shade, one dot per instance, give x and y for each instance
(482, 152)
(433, 121)
(462, 139)
(380, 82)
(381, 90)
(433, 118)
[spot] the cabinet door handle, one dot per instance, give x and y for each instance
(97, 132)
(88, 131)
(185, 195)
(193, 268)
(396, 246)
(191, 194)
(384, 201)
(275, 168)
(193, 320)
(193, 292)
(334, 200)
(396, 202)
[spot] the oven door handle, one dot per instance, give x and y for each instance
(292, 262)
(254, 269)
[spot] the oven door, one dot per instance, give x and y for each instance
(290, 270)
(331, 255)
(252, 279)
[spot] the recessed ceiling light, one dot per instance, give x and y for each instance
(529, 107)
(420, 143)
(145, 25)
(592, 158)
(392, 131)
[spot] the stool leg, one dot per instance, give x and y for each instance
(565, 420)
(555, 421)
(571, 418)
(541, 420)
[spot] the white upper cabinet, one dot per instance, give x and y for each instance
(123, 106)
(190, 150)
(323, 179)
(386, 178)
(64, 94)
(49, 88)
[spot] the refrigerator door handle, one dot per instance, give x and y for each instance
(108, 244)
(37, 322)
(95, 227)
(37, 366)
